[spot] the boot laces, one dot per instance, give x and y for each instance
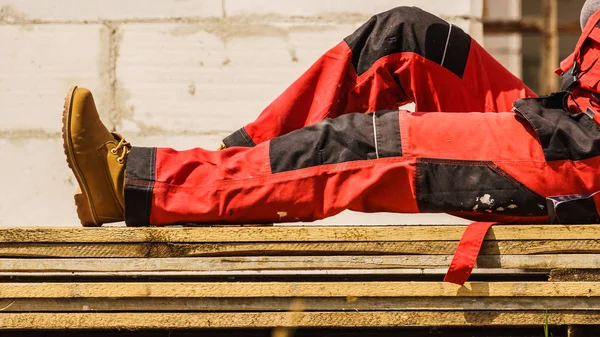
(123, 145)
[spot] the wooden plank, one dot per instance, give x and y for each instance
(53, 250)
(575, 275)
(252, 304)
(59, 250)
(549, 53)
(294, 234)
(270, 263)
(298, 289)
(132, 320)
(523, 25)
(521, 274)
(526, 26)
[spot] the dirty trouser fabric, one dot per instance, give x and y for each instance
(400, 56)
(303, 167)
(480, 166)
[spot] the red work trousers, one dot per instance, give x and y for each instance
(335, 140)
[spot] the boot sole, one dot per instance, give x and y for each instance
(85, 209)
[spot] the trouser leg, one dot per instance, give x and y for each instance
(400, 56)
(479, 166)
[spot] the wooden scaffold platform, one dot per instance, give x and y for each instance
(346, 277)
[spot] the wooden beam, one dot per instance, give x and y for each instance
(416, 273)
(131, 320)
(292, 234)
(291, 263)
(252, 304)
(298, 289)
(526, 26)
(574, 275)
(549, 52)
(163, 249)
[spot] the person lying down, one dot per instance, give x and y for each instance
(481, 145)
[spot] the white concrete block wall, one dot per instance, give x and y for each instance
(340, 9)
(95, 10)
(165, 73)
(38, 63)
(505, 47)
(214, 85)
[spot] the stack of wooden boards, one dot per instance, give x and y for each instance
(305, 277)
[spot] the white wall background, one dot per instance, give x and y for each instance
(177, 73)
(507, 48)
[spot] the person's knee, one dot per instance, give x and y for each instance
(350, 137)
(399, 30)
(408, 15)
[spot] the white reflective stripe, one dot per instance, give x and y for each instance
(447, 42)
(375, 136)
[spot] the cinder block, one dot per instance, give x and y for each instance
(207, 78)
(38, 186)
(505, 47)
(23, 10)
(178, 142)
(338, 10)
(38, 63)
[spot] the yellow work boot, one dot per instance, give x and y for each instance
(97, 158)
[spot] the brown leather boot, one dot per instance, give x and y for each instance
(97, 158)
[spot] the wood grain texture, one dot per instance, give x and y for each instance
(290, 263)
(163, 249)
(297, 289)
(270, 304)
(574, 275)
(294, 234)
(291, 319)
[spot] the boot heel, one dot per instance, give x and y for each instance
(84, 212)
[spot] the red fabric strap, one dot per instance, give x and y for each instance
(466, 253)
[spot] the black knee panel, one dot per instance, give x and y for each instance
(350, 137)
(410, 30)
